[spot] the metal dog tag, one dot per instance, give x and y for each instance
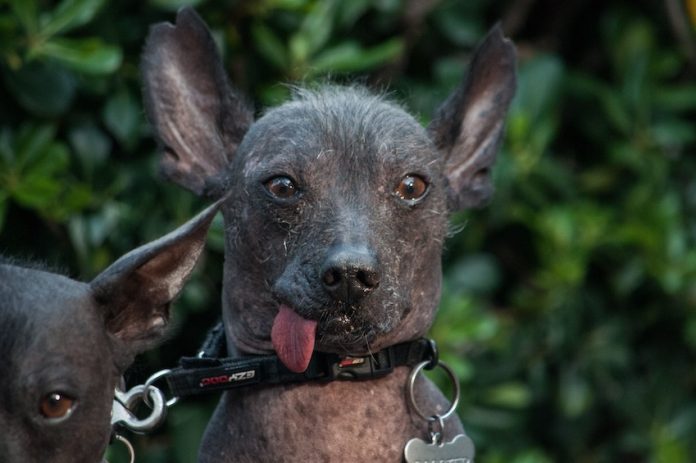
(460, 450)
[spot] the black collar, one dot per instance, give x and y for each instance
(209, 373)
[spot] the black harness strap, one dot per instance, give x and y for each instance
(208, 373)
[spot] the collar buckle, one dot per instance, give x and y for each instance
(370, 366)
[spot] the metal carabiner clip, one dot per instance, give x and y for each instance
(124, 403)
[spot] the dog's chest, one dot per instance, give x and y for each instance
(340, 421)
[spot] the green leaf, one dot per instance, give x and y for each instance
(7, 154)
(270, 46)
(76, 198)
(477, 273)
(349, 12)
(388, 6)
(91, 56)
(350, 57)
(286, 4)
(41, 88)
(299, 49)
(575, 394)
(314, 32)
(182, 420)
(174, 5)
(52, 162)
(509, 395)
(539, 85)
(97, 227)
(532, 456)
(25, 11)
(216, 235)
(318, 24)
(69, 15)
(459, 27)
(3, 208)
(673, 132)
(676, 98)
(668, 447)
(383, 53)
(123, 118)
(272, 95)
(607, 97)
(37, 192)
(90, 145)
(343, 57)
(32, 143)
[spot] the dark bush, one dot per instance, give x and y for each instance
(569, 307)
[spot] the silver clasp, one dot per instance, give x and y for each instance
(125, 402)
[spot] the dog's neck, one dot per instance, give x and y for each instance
(318, 421)
(322, 422)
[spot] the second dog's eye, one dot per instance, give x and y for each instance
(411, 188)
(56, 406)
(281, 187)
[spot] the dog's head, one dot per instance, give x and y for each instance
(338, 199)
(65, 344)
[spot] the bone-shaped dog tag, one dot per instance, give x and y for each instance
(460, 450)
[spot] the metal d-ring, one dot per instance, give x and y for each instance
(152, 380)
(411, 396)
(124, 441)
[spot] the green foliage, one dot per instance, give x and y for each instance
(569, 304)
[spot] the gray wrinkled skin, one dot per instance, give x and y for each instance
(76, 339)
(346, 151)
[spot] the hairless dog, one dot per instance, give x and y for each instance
(65, 344)
(336, 212)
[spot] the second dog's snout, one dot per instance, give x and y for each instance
(349, 274)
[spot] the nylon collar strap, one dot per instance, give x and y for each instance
(206, 374)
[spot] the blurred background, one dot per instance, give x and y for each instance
(569, 306)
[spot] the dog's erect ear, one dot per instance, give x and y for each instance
(135, 292)
(468, 127)
(198, 119)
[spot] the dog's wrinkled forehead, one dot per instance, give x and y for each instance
(39, 293)
(34, 304)
(16, 326)
(47, 302)
(356, 125)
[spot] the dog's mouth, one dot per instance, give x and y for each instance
(295, 337)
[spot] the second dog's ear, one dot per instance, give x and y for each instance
(199, 121)
(134, 293)
(468, 127)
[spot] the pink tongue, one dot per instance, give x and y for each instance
(293, 338)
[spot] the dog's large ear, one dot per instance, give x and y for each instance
(134, 293)
(468, 127)
(198, 119)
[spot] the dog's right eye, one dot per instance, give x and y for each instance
(281, 187)
(411, 188)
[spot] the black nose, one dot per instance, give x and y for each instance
(349, 274)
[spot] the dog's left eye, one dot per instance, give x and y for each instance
(281, 187)
(411, 188)
(56, 406)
